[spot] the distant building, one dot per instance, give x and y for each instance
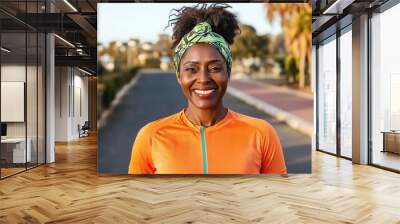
(132, 52)
(125, 55)
(107, 61)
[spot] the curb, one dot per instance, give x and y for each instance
(118, 97)
(284, 88)
(293, 121)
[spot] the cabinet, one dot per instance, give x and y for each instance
(13, 150)
(391, 141)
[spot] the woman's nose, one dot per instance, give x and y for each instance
(203, 76)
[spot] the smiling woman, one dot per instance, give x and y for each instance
(205, 137)
(203, 79)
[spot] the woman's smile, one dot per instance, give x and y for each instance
(204, 93)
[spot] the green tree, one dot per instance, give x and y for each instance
(296, 26)
(100, 69)
(249, 44)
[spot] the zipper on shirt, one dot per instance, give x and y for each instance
(204, 150)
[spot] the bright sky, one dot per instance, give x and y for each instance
(122, 21)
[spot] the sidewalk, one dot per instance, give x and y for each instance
(291, 106)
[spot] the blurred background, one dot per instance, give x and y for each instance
(272, 55)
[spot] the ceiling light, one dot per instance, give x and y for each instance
(71, 6)
(64, 40)
(337, 7)
(86, 72)
(5, 50)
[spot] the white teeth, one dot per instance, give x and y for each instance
(203, 92)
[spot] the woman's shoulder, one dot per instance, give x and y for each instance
(253, 122)
(153, 126)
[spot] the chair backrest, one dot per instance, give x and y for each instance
(86, 125)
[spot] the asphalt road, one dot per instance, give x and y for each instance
(157, 95)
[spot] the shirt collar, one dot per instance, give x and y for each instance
(228, 117)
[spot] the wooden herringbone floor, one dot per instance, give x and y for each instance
(70, 191)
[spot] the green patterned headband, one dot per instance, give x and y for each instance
(202, 33)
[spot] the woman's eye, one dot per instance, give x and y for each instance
(215, 69)
(190, 70)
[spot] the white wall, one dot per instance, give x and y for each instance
(62, 80)
(13, 73)
(71, 93)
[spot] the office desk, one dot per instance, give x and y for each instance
(16, 147)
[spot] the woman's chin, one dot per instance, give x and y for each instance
(206, 105)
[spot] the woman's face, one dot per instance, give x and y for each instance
(203, 76)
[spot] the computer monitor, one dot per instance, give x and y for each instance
(3, 129)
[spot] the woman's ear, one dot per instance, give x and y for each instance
(178, 77)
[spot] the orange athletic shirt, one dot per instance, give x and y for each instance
(237, 144)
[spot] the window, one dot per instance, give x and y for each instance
(327, 95)
(385, 89)
(346, 75)
(23, 89)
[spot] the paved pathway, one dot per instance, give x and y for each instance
(157, 95)
(289, 105)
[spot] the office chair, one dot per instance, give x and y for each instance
(84, 130)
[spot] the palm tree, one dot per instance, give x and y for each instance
(296, 28)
